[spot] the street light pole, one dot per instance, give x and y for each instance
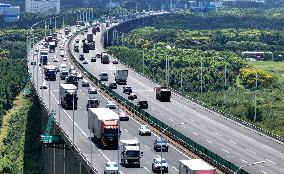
(254, 118)
(91, 148)
(201, 74)
(143, 59)
(73, 118)
(225, 85)
(246, 165)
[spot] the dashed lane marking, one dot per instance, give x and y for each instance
(194, 133)
(232, 142)
(209, 141)
(147, 169)
(244, 161)
(147, 146)
(126, 130)
(270, 161)
(225, 151)
(175, 168)
(251, 151)
(264, 172)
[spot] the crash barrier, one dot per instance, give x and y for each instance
(198, 149)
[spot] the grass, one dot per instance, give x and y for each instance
(276, 68)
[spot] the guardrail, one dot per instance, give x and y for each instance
(187, 142)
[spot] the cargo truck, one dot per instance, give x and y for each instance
(162, 93)
(103, 123)
(43, 56)
(121, 76)
(52, 46)
(130, 152)
(50, 72)
(86, 47)
(195, 166)
(68, 96)
(105, 59)
(90, 37)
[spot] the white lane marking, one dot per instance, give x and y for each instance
(147, 169)
(232, 142)
(147, 146)
(225, 151)
(251, 151)
(85, 112)
(104, 155)
(209, 141)
(136, 138)
(171, 119)
(202, 126)
(83, 93)
(244, 161)
(120, 172)
(54, 90)
(263, 172)
(126, 130)
(217, 134)
(80, 107)
(175, 168)
(194, 133)
(270, 161)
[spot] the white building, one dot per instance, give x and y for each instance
(47, 7)
(10, 13)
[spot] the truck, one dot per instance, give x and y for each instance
(105, 59)
(68, 96)
(121, 76)
(195, 166)
(76, 47)
(130, 153)
(50, 72)
(72, 79)
(43, 56)
(67, 31)
(103, 123)
(90, 37)
(92, 45)
(163, 93)
(86, 47)
(52, 46)
(94, 31)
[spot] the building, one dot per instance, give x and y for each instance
(47, 7)
(9, 13)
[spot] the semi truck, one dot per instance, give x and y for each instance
(162, 93)
(105, 59)
(86, 47)
(50, 72)
(195, 166)
(121, 76)
(43, 56)
(52, 46)
(130, 152)
(103, 123)
(90, 37)
(68, 96)
(72, 79)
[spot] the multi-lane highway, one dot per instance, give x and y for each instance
(233, 141)
(129, 129)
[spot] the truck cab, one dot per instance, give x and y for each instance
(130, 152)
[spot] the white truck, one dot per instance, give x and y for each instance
(121, 76)
(68, 94)
(130, 152)
(103, 123)
(195, 166)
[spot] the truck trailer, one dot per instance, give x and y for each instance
(52, 46)
(103, 123)
(163, 94)
(195, 166)
(68, 96)
(50, 72)
(90, 37)
(130, 152)
(121, 76)
(43, 56)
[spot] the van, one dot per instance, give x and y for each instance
(103, 76)
(62, 53)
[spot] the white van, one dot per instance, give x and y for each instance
(62, 53)
(103, 76)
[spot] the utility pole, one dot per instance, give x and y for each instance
(143, 56)
(73, 142)
(225, 85)
(45, 28)
(254, 118)
(181, 80)
(55, 22)
(154, 52)
(201, 74)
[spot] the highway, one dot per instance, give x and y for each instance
(229, 139)
(129, 129)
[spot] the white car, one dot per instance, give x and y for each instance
(85, 61)
(144, 130)
(43, 85)
(156, 165)
(61, 48)
(55, 60)
(64, 59)
(111, 105)
(111, 168)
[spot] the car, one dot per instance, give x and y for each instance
(111, 105)
(94, 103)
(62, 66)
(111, 168)
(33, 62)
(85, 61)
(98, 56)
(93, 59)
(144, 130)
(127, 89)
(161, 142)
(115, 61)
(103, 76)
(142, 104)
(158, 163)
(63, 74)
(86, 30)
(85, 83)
(61, 48)
(112, 85)
(73, 72)
(72, 68)
(43, 85)
(92, 90)
(82, 33)
(79, 76)
(132, 96)
(123, 116)
(77, 40)
(55, 60)
(81, 57)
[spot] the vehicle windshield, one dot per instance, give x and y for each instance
(111, 165)
(161, 141)
(111, 106)
(132, 153)
(163, 161)
(144, 127)
(110, 132)
(93, 101)
(64, 72)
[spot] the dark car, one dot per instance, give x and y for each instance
(98, 56)
(93, 59)
(94, 103)
(142, 104)
(33, 63)
(161, 142)
(115, 61)
(123, 116)
(132, 96)
(92, 90)
(112, 85)
(127, 89)
(81, 57)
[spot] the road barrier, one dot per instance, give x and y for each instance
(187, 142)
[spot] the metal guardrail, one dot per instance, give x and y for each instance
(198, 149)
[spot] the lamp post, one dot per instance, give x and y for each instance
(254, 118)
(255, 163)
